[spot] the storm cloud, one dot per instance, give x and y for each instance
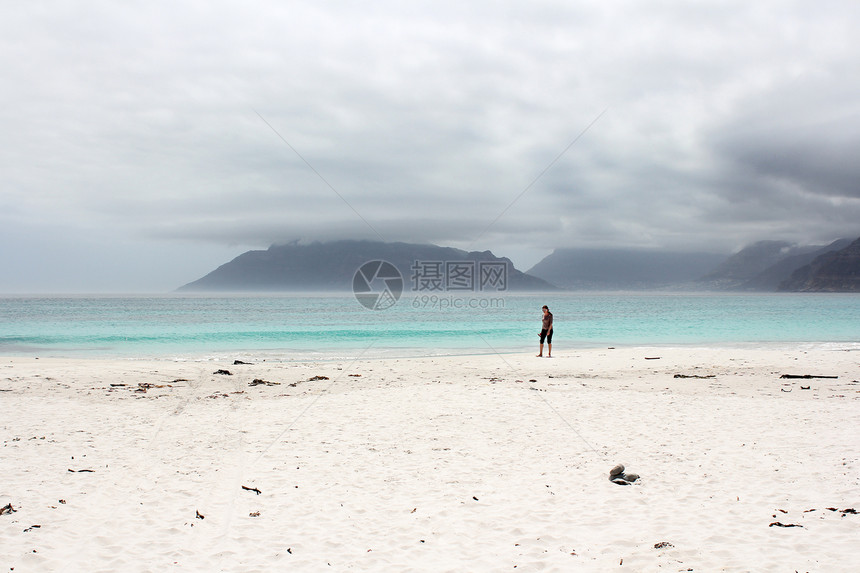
(145, 143)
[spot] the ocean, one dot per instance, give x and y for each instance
(337, 326)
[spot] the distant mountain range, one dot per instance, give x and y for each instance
(765, 266)
(620, 269)
(833, 271)
(332, 267)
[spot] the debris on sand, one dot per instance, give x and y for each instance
(142, 387)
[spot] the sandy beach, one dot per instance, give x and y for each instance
(469, 463)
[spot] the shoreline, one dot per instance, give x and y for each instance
(446, 463)
(372, 352)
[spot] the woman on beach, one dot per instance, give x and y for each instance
(546, 332)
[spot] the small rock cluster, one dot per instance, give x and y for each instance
(617, 475)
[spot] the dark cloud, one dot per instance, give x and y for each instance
(177, 127)
(802, 132)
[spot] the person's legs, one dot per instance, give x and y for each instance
(542, 338)
(549, 350)
(540, 352)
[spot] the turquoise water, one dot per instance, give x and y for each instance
(297, 327)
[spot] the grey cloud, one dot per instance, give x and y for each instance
(726, 122)
(803, 133)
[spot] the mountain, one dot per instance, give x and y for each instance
(749, 262)
(764, 265)
(771, 278)
(332, 267)
(620, 269)
(835, 271)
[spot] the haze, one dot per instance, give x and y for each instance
(144, 144)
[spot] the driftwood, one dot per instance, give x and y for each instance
(694, 376)
(255, 490)
(849, 510)
(804, 376)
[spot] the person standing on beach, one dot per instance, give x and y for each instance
(546, 332)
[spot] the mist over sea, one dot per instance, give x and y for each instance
(335, 326)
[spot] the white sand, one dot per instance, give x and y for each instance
(444, 464)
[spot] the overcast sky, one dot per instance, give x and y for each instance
(146, 143)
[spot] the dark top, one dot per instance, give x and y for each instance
(546, 321)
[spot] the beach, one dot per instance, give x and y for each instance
(450, 463)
